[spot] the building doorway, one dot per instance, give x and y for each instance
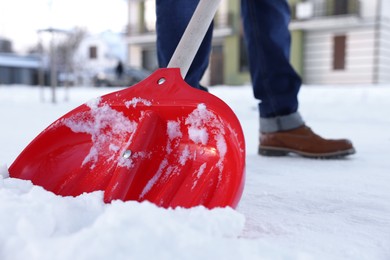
(216, 66)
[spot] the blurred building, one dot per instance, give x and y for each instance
(333, 41)
(18, 69)
(5, 45)
(97, 53)
(341, 41)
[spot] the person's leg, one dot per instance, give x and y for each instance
(172, 19)
(275, 83)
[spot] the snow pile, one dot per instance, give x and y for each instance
(36, 224)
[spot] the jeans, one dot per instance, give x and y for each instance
(275, 83)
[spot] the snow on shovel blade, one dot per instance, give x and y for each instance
(160, 141)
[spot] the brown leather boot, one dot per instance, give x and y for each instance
(303, 141)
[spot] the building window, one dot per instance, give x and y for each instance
(339, 52)
(93, 52)
(340, 7)
(149, 59)
(244, 62)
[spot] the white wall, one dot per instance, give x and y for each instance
(318, 57)
(135, 56)
(369, 8)
(385, 9)
(110, 48)
(383, 54)
(133, 13)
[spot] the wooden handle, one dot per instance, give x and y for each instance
(193, 36)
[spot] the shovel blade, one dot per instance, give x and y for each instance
(160, 140)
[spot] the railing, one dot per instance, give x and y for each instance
(325, 8)
(136, 29)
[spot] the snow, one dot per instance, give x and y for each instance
(173, 129)
(95, 122)
(197, 121)
(184, 156)
(292, 207)
(198, 174)
(133, 102)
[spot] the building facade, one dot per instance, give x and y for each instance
(333, 41)
(228, 62)
(97, 53)
(18, 69)
(341, 41)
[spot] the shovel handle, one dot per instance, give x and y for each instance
(193, 35)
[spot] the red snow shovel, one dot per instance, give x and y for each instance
(159, 140)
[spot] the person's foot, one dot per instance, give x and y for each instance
(303, 141)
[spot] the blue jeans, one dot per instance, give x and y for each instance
(275, 83)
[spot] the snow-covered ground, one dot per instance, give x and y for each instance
(292, 207)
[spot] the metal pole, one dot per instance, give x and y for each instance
(41, 72)
(53, 69)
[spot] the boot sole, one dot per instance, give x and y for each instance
(277, 152)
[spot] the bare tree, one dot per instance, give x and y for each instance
(58, 49)
(66, 50)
